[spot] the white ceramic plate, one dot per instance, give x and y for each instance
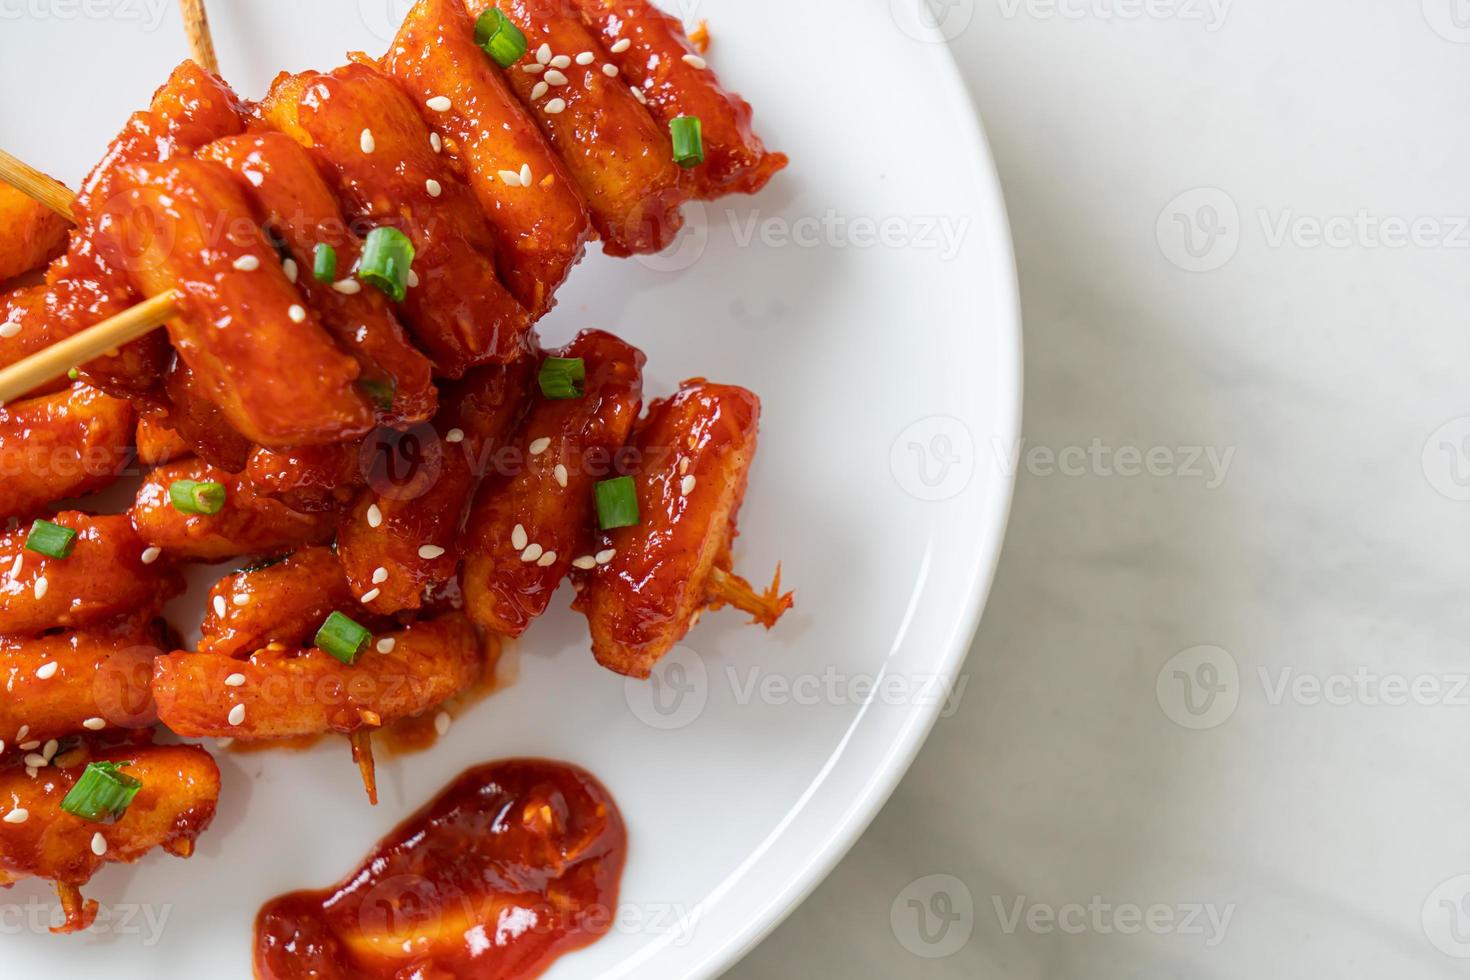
(868, 296)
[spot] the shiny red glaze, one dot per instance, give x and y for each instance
(648, 596)
(504, 592)
(540, 230)
(248, 524)
(294, 202)
(34, 234)
(201, 423)
(515, 864)
(103, 578)
(185, 227)
(311, 479)
(63, 445)
(735, 159)
(286, 602)
(420, 487)
(621, 159)
(291, 691)
(460, 313)
(156, 442)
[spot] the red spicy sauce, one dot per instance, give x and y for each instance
(513, 865)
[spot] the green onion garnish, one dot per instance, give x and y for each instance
(324, 264)
(617, 503)
(103, 793)
(688, 134)
(387, 257)
(193, 497)
(501, 39)
(73, 374)
(380, 393)
(51, 540)
(562, 377)
(343, 638)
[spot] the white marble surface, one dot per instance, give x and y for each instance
(1326, 563)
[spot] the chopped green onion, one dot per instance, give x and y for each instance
(51, 540)
(688, 134)
(617, 503)
(562, 377)
(501, 39)
(343, 638)
(102, 794)
(387, 257)
(324, 264)
(193, 497)
(380, 393)
(73, 374)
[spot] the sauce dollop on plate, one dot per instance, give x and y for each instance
(513, 865)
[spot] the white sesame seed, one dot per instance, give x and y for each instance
(532, 553)
(386, 644)
(150, 555)
(380, 575)
(686, 486)
(292, 270)
(94, 724)
(368, 143)
(370, 595)
(684, 466)
(518, 538)
(99, 844)
(585, 562)
(297, 313)
(243, 599)
(41, 586)
(19, 815)
(441, 722)
(219, 606)
(237, 715)
(695, 61)
(247, 263)
(9, 329)
(347, 287)
(47, 670)
(561, 61)
(555, 77)
(539, 446)
(611, 71)
(526, 174)
(440, 103)
(603, 557)
(49, 752)
(511, 177)
(433, 187)
(560, 473)
(539, 89)
(255, 178)
(21, 733)
(235, 680)
(454, 435)
(431, 551)
(28, 746)
(35, 761)
(547, 560)
(224, 743)
(413, 279)
(638, 94)
(543, 54)
(622, 45)
(374, 516)
(586, 58)
(533, 69)
(556, 107)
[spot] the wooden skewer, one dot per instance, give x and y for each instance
(45, 365)
(201, 43)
